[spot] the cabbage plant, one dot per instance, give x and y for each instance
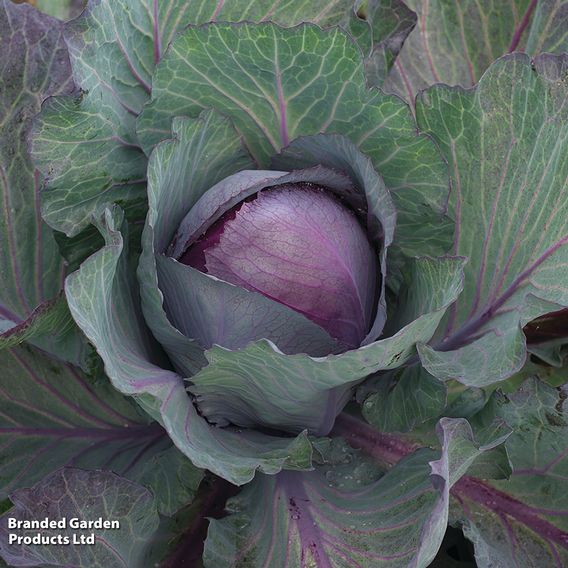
(282, 284)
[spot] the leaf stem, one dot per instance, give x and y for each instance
(522, 26)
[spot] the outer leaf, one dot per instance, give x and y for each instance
(180, 539)
(401, 401)
(68, 135)
(87, 146)
(54, 416)
(455, 42)
(549, 28)
(119, 43)
(50, 325)
(74, 493)
(173, 479)
(179, 173)
(277, 84)
(523, 521)
(342, 515)
(34, 66)
(261, 385)
(104, 302)
(507, 142)
(390, 22)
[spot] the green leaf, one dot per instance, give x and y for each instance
(205, 151)
(522, 521)
(36, 66)
(51, 328)
(54, 416)
(455, 42)
(401, 401)
(104, 300)
(199, 306)
(260, 385)
(390, 22)
(180, 539)
(84, 495)
(507, 144)
(118, 42)
(86, 145)
(172, 477)
(549, 28)
(277, 84)
(345, 511)
(68, 135)
(62, 9)
(466, 403)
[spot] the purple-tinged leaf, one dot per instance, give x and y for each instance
(507, 144)
(389, 22)
(516, 522)
(346, 513)
(104, 300)
(214, 312)
(447, 44)
(455, 42)
(87, 146)
(273, 99)
(87, 496)
(261, 385)
(548, 27)
(53, 416)
(522, 521)
(34, 65)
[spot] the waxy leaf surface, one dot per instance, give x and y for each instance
(85, 495)
(455, 42)
(345, 512)
(507, 144)
(104, 301)
(87, 145)
(34, 65)
(55, 416)
(522, 521)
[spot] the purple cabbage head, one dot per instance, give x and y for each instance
(294, 241)
(299, 245)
